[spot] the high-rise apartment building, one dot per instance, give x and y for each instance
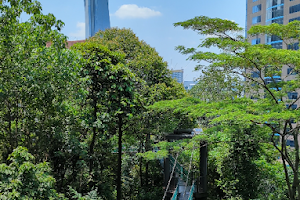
(178, 75)
(265, 12)
(96, 16)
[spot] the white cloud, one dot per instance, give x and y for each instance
(133, 11)
(80, 32)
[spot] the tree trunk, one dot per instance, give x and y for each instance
(119, 172)
(91, 150)
(147, 148)
(286, 173)
(297, 159)
(141, 162)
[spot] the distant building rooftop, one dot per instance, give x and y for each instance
(70, 43)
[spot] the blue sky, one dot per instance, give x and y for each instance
(152, 21)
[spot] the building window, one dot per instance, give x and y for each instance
(274, 12)
(277, 45)
(292, 95)
(255, 0)
(293, 107)
(290, 143)
(272, 38)
(295, 8)
(294, 46)
(256, 8)
(278, 20)
(274, 79)
(255, 74)
(293, 19)
(271, 3)
(256, 19)
(291, 71)
(255, 41)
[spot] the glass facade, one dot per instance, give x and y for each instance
(274, 41)
(274, 79)
(273, 38)
(256, 19)
(291, 71)
(256, 8)
(277, 45)
(293, 107)
(294, 46)
(255, 74)
(290, 143)
(293, 19)
(275, 12)
(96, 16)
(295, 8)
(278, 20)
(255, 41)
(274, 3)
(292, 95)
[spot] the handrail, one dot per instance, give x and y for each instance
(187, 179)
(175, 194)
(179, 169)
(169, 182)
(192, 191)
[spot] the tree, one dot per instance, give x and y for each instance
(111, 93)
(237, 151)
(22, 179)
(225, 85)
(39, 87)
(273, 108)
(155, 84)
(142, 59)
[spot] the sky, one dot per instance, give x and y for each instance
(152, 21)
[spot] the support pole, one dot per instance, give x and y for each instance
(167, 171)
(202, 181)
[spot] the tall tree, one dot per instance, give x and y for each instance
(39, 87)
(155, 84)
(260, 65)
(111, 93)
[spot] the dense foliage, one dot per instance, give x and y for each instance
(249, 136)
(80, 112)
(82, 123)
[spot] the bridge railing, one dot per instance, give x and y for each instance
(192, 192)
(179, 169)
(175, 194)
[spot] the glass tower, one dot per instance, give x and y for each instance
(96, 16)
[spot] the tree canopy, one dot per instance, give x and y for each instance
(267, 109)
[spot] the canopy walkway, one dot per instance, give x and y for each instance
(181, 186)
(180, 183)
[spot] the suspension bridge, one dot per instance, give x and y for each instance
(182, 183)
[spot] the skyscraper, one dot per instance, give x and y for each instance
(96, 16)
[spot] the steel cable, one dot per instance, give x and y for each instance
(190, 166)
(169, 182)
